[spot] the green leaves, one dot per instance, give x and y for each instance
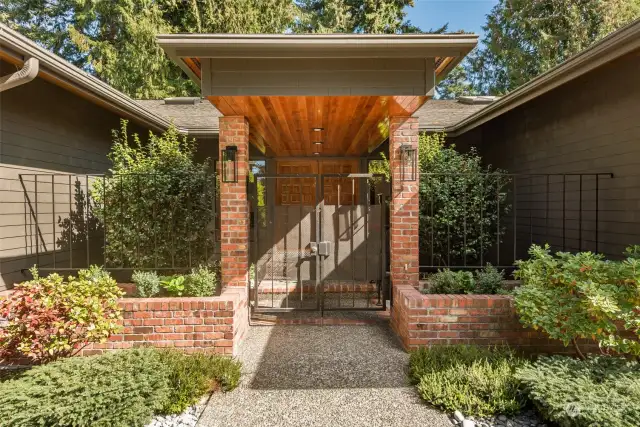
(118, 389)
(157, 206)
(477, 381)
(572, 296)
(600, 390)
(50, 318)
(174, 285)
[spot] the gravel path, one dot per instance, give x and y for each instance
(347, 376)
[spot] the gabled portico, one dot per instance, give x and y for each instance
(318, 99)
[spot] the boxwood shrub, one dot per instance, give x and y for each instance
(124, 388)
(474, 380)
(598, 391)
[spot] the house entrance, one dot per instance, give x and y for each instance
(318, 242)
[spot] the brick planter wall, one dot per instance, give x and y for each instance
(425, 320)
(215, 324)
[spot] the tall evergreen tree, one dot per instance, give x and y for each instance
(354, 16)
(525, 38)
(115, 39)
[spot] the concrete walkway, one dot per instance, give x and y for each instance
(347, 376)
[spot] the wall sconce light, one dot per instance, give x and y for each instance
(230, 164)
(408, 163)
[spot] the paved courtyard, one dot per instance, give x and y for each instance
(309, 375)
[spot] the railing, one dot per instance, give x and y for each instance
(122, 222)
(469, 220)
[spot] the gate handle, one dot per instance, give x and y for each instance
(320, 248)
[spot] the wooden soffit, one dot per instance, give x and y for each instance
(349, 125)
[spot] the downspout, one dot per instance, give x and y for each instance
(28, 72)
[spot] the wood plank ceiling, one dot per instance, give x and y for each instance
(283, 126)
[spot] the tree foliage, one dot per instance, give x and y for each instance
(354, 16)
(525, 38)
(572, 296)
(116, 39)
(461, 202)
(157, 203)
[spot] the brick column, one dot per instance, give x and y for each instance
(404, 217)
(234, 207)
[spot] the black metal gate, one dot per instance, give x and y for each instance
(318, 242)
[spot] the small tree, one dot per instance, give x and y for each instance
(157, 204)
(572, 296)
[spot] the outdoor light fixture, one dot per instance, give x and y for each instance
(408, 163)
(317, 129)
(319, 142)
(230, 164)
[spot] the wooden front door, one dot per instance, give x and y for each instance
(291, 190)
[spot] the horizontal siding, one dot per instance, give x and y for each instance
(45, 130)
(312, 76)
(589, 125)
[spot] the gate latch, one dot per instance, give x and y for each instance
(324, 248)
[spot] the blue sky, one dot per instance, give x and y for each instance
(468, 15)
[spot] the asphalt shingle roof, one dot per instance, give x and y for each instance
(201, 115)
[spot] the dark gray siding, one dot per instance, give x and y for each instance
(44, 130)
(589, 125)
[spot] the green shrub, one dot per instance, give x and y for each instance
(488, 281)
(203, 281)
(147, 283)
(194, 375)
(571, 296)
(451, 282)
(118, 389)
(174, 285)
(124, 388)
(477, 381)
(50, 318)
(598, 391)
(157, 201)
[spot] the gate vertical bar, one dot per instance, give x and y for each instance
(256, 247)
(351, 233)
(35, 179)
(53, 217)
(367, 210)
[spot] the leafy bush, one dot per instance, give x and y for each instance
(571, 296)
(49, 317)
(477, 381)
(147, 283)
(174, 285)
(194, 375)
(157, 203)
(461, 201)
(124, 388)
(451, 282)
(118, 389)
(202, 281)
(488, 281)
(598, 391)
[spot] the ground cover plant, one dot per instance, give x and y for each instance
(597, 391)
(474, 380)
(53, 317)
(486, 281)
(573, 296)
(124, 388)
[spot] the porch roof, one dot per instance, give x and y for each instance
(323, 94)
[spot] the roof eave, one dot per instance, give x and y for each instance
(615, 45)
(53, 68)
